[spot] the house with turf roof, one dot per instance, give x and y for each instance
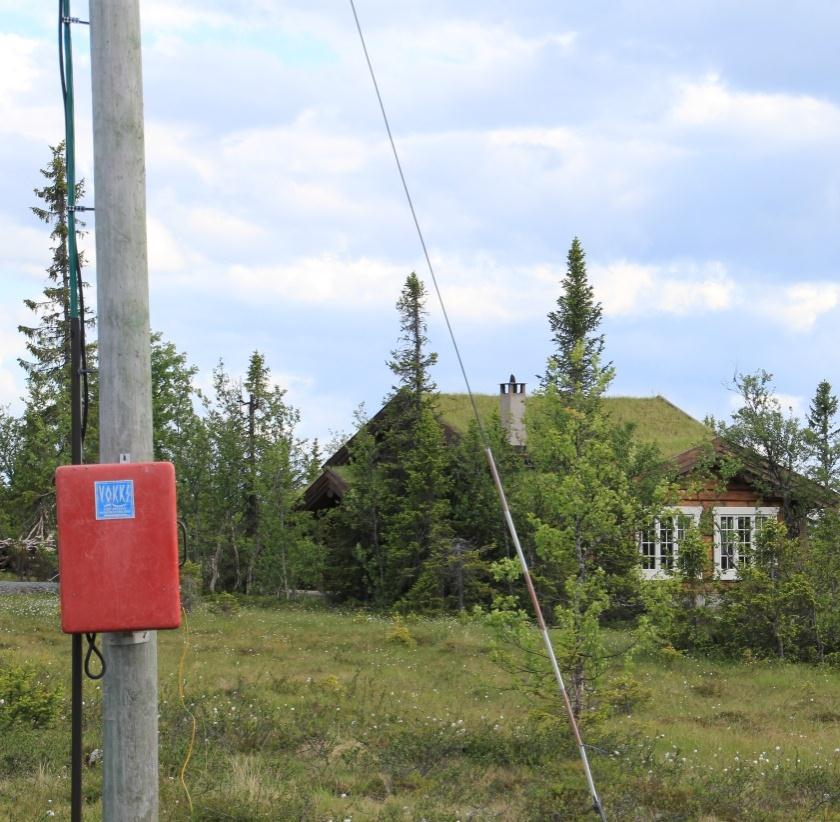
(736, 507)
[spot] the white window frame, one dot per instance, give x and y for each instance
(752, 512)
(658, 572)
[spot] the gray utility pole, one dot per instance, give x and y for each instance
(130, 705)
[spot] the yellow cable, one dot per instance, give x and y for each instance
(184, 706)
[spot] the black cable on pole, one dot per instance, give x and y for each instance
(76, 753)
(91, 652)
(83, 364)
(76, 646)
(182, 527)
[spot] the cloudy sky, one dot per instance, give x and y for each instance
(692, 146)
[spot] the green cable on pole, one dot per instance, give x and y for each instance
(70, 163)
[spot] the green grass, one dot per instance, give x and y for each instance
(317, 715)
(455, 410)
(655, 419)
(659, 422)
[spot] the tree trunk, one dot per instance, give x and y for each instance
(214, 566)
(380, 558)
(580, 553)
(236, 566)
(252, 561)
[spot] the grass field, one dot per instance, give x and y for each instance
(318, 715)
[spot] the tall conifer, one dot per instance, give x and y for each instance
(575, 366)
(413, 451)
(411, 362)
(44, 428)
(824, 436)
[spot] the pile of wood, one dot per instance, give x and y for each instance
(24, 555)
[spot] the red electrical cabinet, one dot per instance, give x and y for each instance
(117, 547)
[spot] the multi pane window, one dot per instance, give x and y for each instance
(735, 541)
(735, 531)
(659, 543)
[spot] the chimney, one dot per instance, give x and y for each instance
(512, 411)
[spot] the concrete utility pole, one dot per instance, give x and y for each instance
(130, 706)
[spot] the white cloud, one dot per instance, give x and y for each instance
(791, 403)
(710, 294)
(318, 280)
(304, 146)
(165, 253)
(800, 305)
(788, 403)
(165, 16)
(27, 248)
(476, 289)
(18, 65)
(630, 289)
(11, 347)
(209, 222)
(9, 391)
(608, 171)
(767, 117)
(626, 288)
(621, 286)
(172, 147)
(481, 289)
(23, 83)
(291, 382)
(472, 46)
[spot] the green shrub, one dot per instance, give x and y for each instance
(190, 584)
(625, 693)
(223, 603)
(400, 633)
(25, 698)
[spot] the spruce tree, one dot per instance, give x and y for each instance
(48, 341)
(277, 465)
(394, 519)
(356, 565)
(44, 441)
(823, 436)
(575, 364)
(414, 456)
(253, 534)
(410, 362)
(480, 535)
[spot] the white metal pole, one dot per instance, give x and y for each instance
(130, 708)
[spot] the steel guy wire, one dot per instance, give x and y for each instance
(596, 801)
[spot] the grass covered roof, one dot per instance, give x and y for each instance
(655, 419)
